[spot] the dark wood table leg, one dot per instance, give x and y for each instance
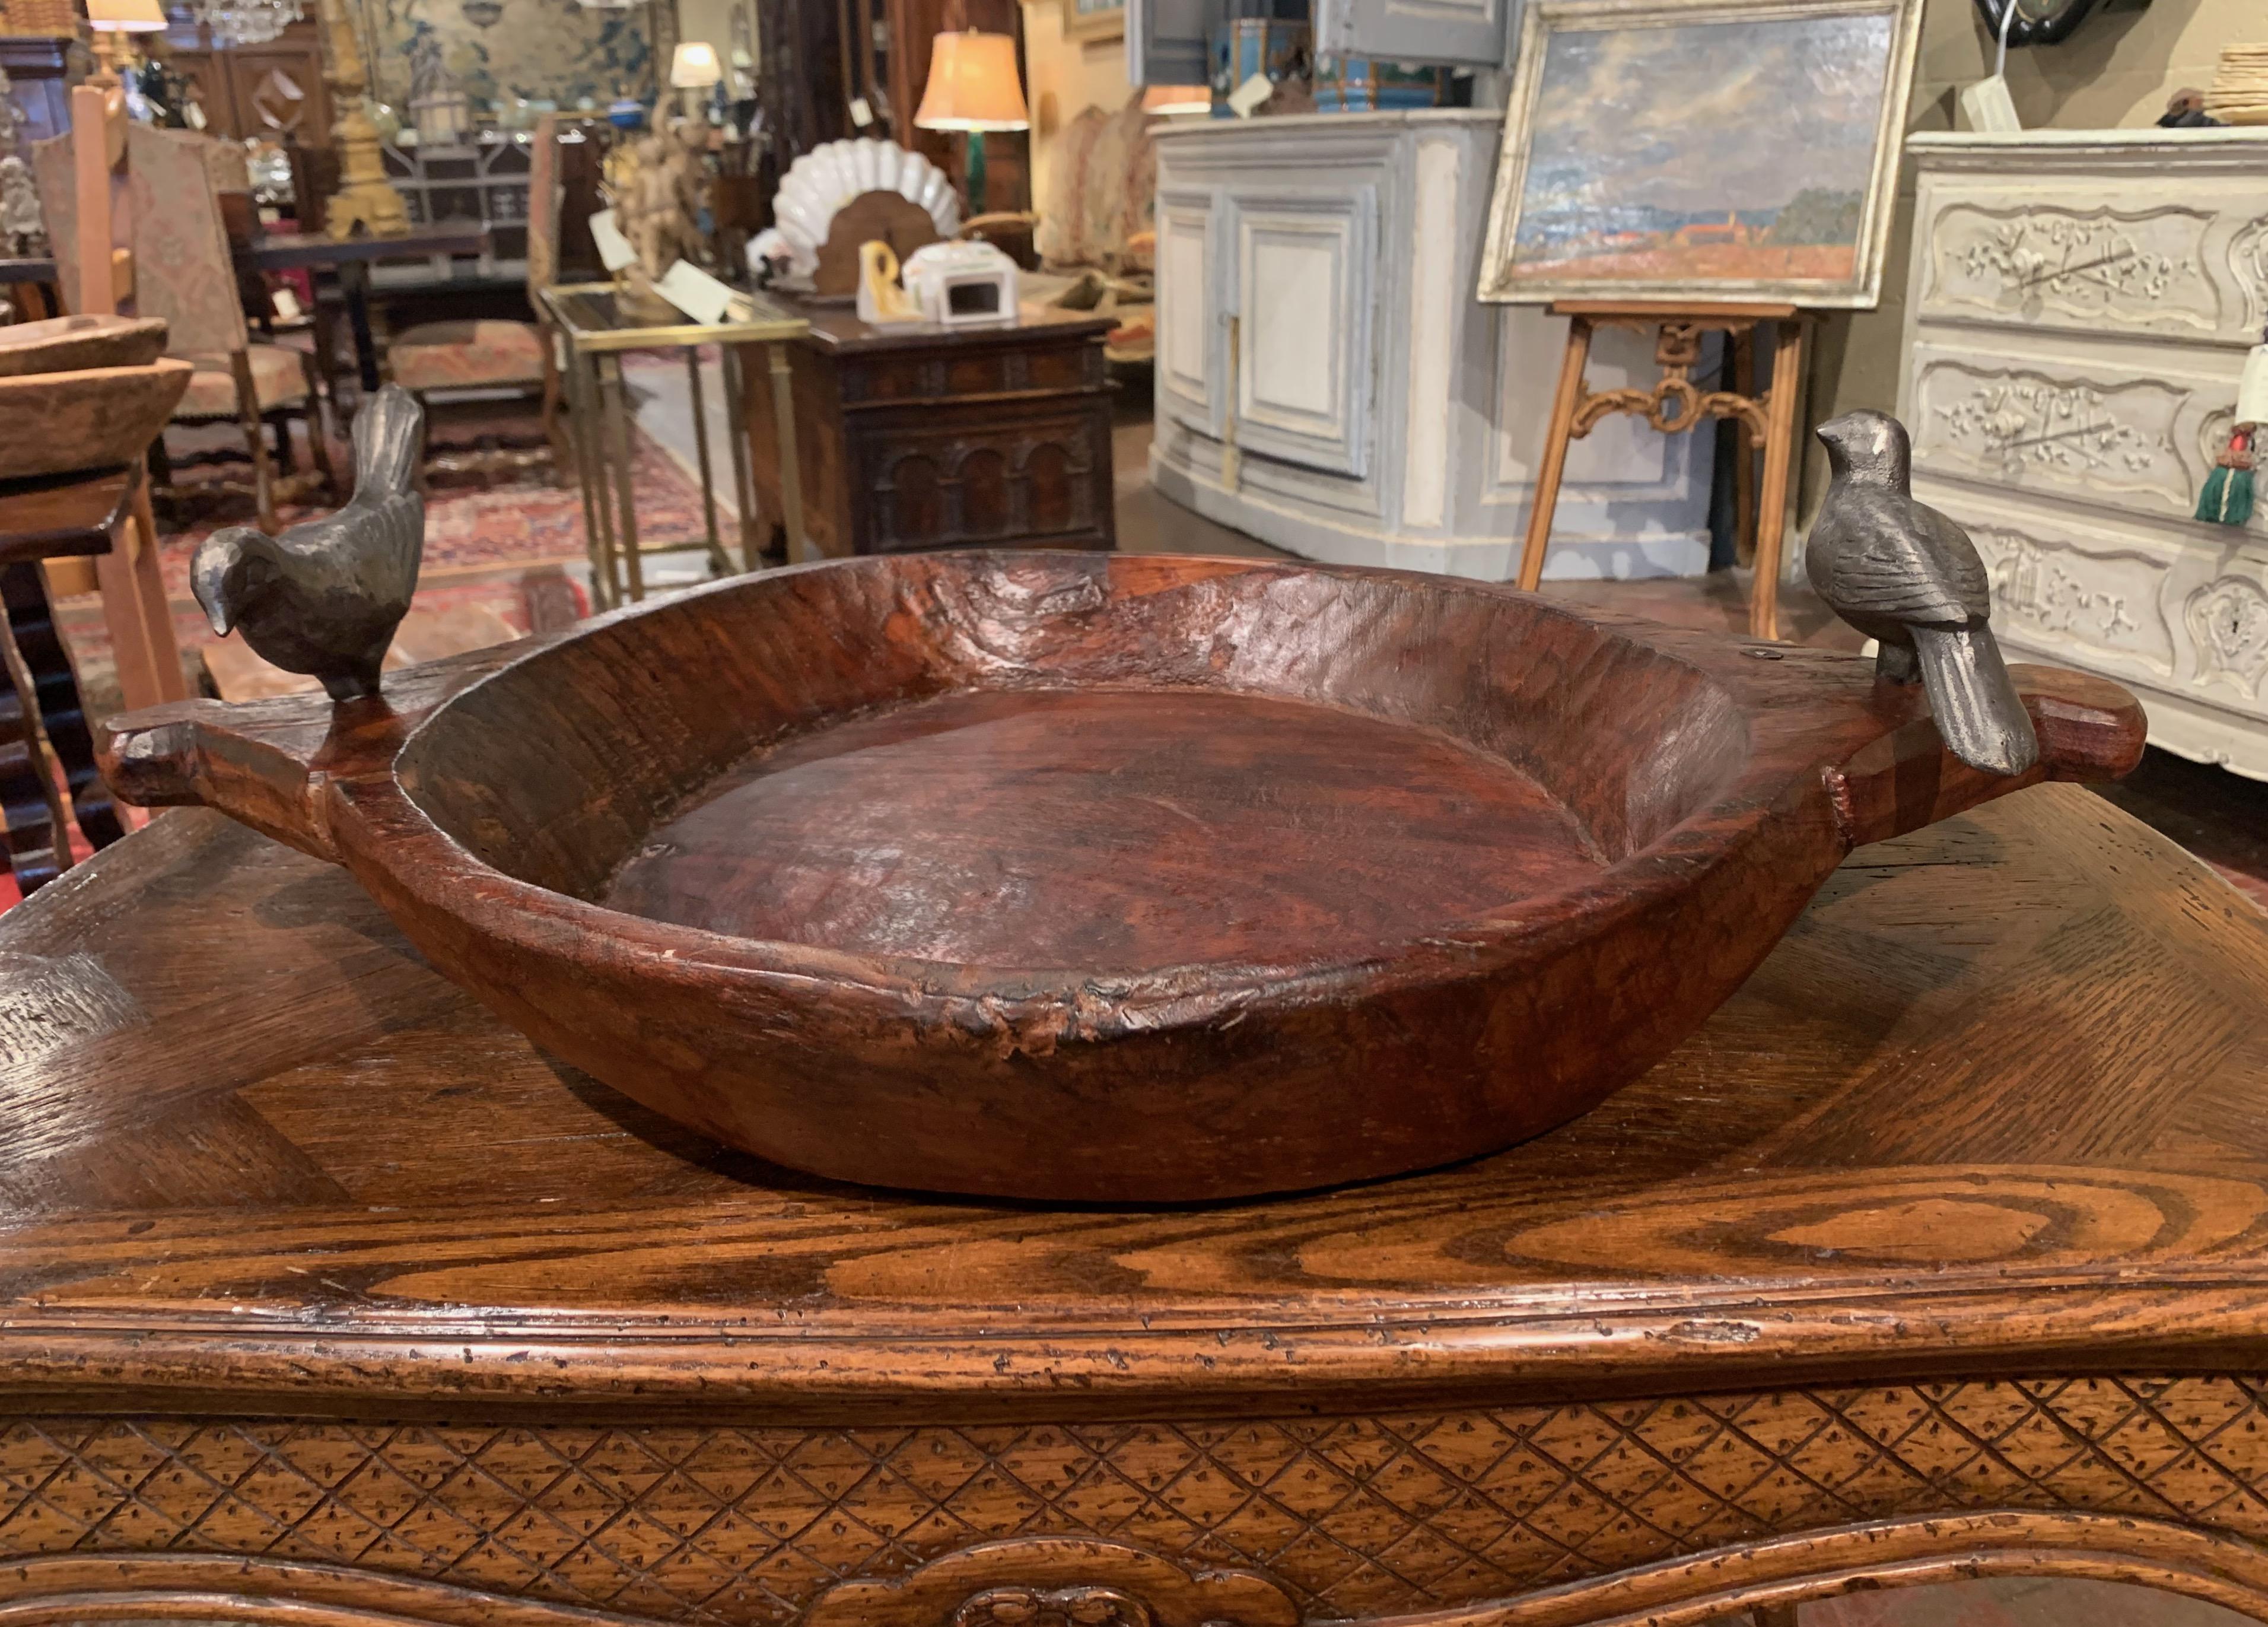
(55, 687)
(28, 802)
(354, 281)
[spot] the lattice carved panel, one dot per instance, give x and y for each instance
(1351, 1516)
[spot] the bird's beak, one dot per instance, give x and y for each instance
(219, 617)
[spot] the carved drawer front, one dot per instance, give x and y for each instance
(2089, 429)
(2125, 254)
(1220, 1523)
(2160, 608)
(960, 374)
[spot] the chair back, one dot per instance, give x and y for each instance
(55, 171)
(543, 186)
(182, 271)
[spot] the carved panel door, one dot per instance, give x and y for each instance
(1304, 278)
(274, 91)
(1192, 352)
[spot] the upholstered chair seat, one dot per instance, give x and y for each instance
(279, 378)
(467, 355)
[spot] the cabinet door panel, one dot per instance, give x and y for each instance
(1477, 33)
(1166, 41)
(1191, 355)
(1306, 280)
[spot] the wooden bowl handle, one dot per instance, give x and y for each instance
(268, 763)
(2089, 730)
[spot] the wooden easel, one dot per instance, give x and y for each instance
(1675, 404)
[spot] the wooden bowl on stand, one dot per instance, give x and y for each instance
(1123, 879)
(91, 418)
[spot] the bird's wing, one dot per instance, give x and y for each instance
(1906, 562)
(1965, 576)
(368, 547)
(397, 538)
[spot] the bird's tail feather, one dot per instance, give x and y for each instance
(1978, 711)
(389, 436)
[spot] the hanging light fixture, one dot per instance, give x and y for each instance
(247, 22)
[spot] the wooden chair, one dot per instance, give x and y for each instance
(184, 273)
(484, 354)
(81, 200)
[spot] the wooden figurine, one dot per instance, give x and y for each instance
(1906, 576)
(325, 597)
(23, 229)
(649, 207)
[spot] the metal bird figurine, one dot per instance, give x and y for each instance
(1904, 574)
(325, 596)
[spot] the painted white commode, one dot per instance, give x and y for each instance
(1327, 382)
(2077, 313)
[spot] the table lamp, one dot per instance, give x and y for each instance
(1173, 100)
(695, 67)
(113, 18)
(973, 86)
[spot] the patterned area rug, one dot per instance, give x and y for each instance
(484, 541)
(503, 547)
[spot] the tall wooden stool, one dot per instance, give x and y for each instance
(56, 516)
(1677, 403)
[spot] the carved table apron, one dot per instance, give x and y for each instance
(1941, 1250)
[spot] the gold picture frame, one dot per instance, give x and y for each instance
(1631, 170)
(1094, 19)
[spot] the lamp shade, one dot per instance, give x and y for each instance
(973, 85)
(695, 67)
(126, 16)
(1177, 99)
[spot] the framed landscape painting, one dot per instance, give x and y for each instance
(1742, 151)
(1094, 19)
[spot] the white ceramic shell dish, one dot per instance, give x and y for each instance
(828, 177)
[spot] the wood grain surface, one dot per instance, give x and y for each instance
(1939, 1250)
(1993, 1101)
(1347, 882)
(90, 419)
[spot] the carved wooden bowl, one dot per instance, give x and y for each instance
(1121, 878)
(87, 418)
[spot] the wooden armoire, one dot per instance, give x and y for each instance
(274, 91)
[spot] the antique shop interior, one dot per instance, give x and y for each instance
(1472, 799)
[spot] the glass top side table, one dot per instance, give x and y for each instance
(597, 334)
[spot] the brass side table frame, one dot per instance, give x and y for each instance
(596, 336)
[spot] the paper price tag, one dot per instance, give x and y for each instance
(615, 250)
(861, 115)
(693, 291)
(1245, 99)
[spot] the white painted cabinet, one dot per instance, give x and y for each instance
(1166, 40)
(1474, 33)
(2078, 311)
(1326, 381)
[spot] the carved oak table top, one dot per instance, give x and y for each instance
(1942, 1249)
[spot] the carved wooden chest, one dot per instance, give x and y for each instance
(924, 437)
(2077, 313)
